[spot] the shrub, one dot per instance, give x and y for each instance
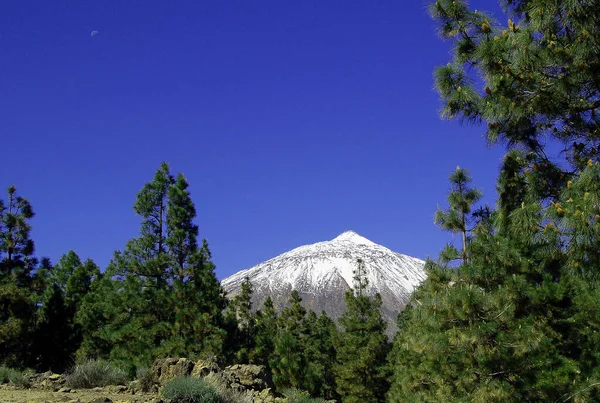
(145, 378)
(227, 394)
(186, 389)
(300, 396)
(93, 373)
(14, 376)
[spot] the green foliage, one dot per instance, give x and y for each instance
(288, 361)
(14, 376)
(300, 396)
(457, 218)
(266, 328)
(186, 389)
(362, 345)
(514, 324)
(15, 243)
(160, 296)
(539, 71)
(97, 312)
(227, 394)
(319, 350)
(145, 378)
(57, 336)
(17, 284)
(242, 323)
(95, 373)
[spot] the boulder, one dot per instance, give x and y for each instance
(250, 377)
(265, 396)
(168, 368)
(47, 381)
(203, 368)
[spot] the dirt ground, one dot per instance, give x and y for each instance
(10, 394)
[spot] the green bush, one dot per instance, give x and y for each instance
(226, 394)
(14, 376)
(94, 373)
(145, 378)
(300, 396)
(186, 389)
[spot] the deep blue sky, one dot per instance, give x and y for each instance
(292, 120)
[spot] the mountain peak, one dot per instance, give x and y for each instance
(353, 237)
(323, 272)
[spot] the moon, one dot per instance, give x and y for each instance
(94, 33)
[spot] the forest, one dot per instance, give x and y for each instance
(509, 313)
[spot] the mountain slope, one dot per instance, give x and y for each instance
(322, 273)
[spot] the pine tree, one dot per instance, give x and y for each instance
(362, 345)
(97, 313)
(501, 328)
(57, 336)
(242, 324)
(319, 350)
(79, 283)
(266, 331)
(163, 292)
(535, 78)
(17, 297)
(199, 299)
(515, 323)
(55, 342)
(288, 361)
(457, 219)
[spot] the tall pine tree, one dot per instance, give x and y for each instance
(288, 361)
(164, 298)
(17, 283)
(266, 331)
(457, 218)
(362, 345)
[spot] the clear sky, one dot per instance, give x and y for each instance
(292, 120)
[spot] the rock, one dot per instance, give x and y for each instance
(117, 389)
(264, 396)
(204, 367)
(54, 377)
(252, 377)
(64, 390)
(168, 368)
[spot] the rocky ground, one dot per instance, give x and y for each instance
(236, 383)
(11, 394)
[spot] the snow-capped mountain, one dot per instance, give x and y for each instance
(323, 272)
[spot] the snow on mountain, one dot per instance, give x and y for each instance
(323, 272)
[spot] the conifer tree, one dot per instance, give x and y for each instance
(535, 78)
(97, 313)
(496, 328)
(319, 350)
(199, 299)
(457, 218)
(17, 299)
(54, 342)
(362, 345)
(163, 292)
(266, 331)
(288, 361)
(57, 336)
(515, 324)
(244, 324)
